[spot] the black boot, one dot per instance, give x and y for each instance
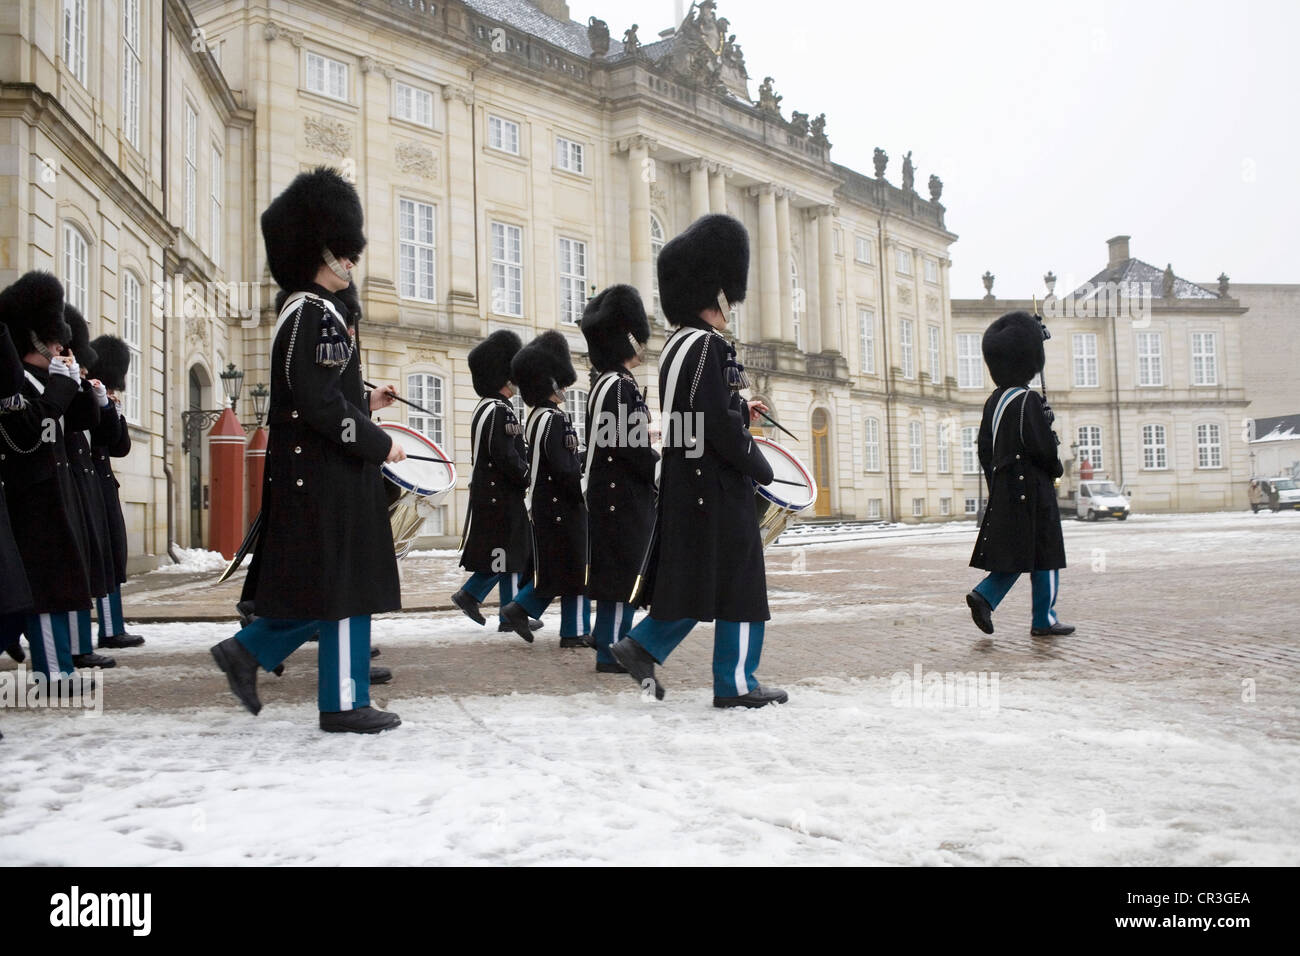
(612, 667)
(121, 640)
(15, 650)
(240, 668)
(1056, 630)
(380, 675)
(93, 660)
(363, 720)
(639, 663)
(980, 611)
(469, 604)
(374, 652)
(518, 620)
(583, 641)
(505, 626)
(760, 696)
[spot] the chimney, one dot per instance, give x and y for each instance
(553, 8)
(1118, 249)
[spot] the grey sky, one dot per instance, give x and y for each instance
(1054, 126)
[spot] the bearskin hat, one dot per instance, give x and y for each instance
(607, 321)
(79, 340)
(489, 362)
(542, 368)
(1013, 349)
(712, 255)
(319, 210)
(113, 363)
(34, 304)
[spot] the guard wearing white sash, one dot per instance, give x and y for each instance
(709, 562)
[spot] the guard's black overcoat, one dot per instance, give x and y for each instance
(44, 507)
(108, 440)
(15, 594)
(497, 537)
(326, 549)
(709, 562)
(1021, 530)
(83, 416)
(558, 511)
(620, 489)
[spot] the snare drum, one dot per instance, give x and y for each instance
(415, 488)
(792, 490)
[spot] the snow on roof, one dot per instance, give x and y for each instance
(1135, 270)
(1277, 428)
(522, 15)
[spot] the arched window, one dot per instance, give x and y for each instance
(76, 266)
(656, 246)
(426, 391)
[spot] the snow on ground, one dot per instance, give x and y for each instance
(194, 559)
(1060, 772)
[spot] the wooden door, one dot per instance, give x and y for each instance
(821, 442)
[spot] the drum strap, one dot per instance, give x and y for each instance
(1009, 396)
(674, 355)
(538, 421)
(594, 407)
(481, 417)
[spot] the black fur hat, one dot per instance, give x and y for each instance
(489, 362)
(608, 320)
(114, 361)
(712, 255)
(319, 210)
(1013, 349)
(79, 340)
(542, 368)
(34, 303)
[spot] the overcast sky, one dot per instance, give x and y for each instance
(1053, 126)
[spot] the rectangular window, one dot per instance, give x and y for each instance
(1209, 450)
(568, 155)
(131, 315)
(76, 267)
(1205, 360)
(862, 249)
(214, 206)
(905, 351)
(131, 71)
(932, 274)
(945, 506)
(918, 507)
(573, 280)
(903, 261)
(507, 269)
(1084, 347)
(575, 406)
(413, 104)
(74, 38)
(191, 169)
(1150, 359)
(837, 244)
(916, 446)
(867, 341)
(942, 460)
(327, 77)
(873, 507)
(416, 249)
(970, 361)
(970, 459)
(871, 445)
(972, 506)
(426, 391)
(934, 353)
(503, 135)
(1154, 451)
(1090, 447)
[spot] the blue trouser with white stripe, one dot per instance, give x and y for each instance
(343, 655)
(613, 622)
(480, 585)
(109, 610)
(1045, 585)
(737, 646)
(82, 643)
(50, 638)
(575, 609)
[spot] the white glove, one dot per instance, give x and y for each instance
(101, 393)
(70, 368)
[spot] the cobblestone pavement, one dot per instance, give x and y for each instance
(1209, 597)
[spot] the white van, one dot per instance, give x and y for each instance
(1288, 493)
(1099, 498)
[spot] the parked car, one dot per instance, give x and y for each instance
(1100, 499)
(1281, 492)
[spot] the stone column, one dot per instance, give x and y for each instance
(826, 278)
(458, 162)
(699, 171)
(769, 276)
(783, 264)
(718, 188)
(640, 173)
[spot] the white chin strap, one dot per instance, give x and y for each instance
(335, 266)
(723, 304)
(638, 348)
(40, 346)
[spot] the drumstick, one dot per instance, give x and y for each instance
(430, 458)
(418, 408)
(778, 425)
(781, 481)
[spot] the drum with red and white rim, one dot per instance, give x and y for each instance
(791, 491)
(416, 486)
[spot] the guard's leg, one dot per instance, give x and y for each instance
(613, 622)
(737, 647)
(1047, 585)
(272, 639)
(996, 586)
(79, 627)
(506, 592)
(344, 656)
(575, 620)
(51, 643)
(473, 593)
(660, 638)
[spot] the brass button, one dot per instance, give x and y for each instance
(297, 449)
(609, 457)
(1022, 497)
(494, 501)
(492, 484)
(1017, 457)
(611, 484)
(699, 501)
(1022, 477)
(697, 471)
(555, 499)
(611, 507)
(294, 413)
(558, 519)
(298, 482)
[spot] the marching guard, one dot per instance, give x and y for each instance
(709, 562)
(1021, 530)
(325, 561)
(496, 545)
(15, 593)
(543, 370)
(619, 473)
